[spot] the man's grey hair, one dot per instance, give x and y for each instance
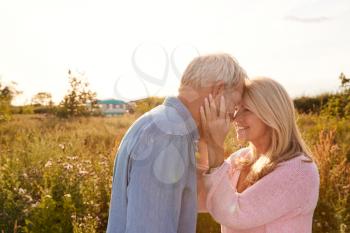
(204, 70)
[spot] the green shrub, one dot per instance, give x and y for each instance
(55, 175)
(311, 104)
(79, 100)
(147, 104)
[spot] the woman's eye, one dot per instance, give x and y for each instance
(245, 111)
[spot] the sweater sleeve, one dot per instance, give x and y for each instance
(201, 191)
(290, 187)
(202, 169)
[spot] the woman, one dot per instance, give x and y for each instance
(272, 185)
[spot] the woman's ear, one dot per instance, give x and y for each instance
(218, 88)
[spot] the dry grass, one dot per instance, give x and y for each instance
(55, 175)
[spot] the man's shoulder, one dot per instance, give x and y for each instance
(166, 120)
(161, 129)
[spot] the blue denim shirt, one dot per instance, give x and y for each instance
(154, 184)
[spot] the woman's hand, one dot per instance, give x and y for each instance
(215, 124)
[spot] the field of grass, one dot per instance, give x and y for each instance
(55, 175)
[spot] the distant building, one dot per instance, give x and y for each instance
(111, 107)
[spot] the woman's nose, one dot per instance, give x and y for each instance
(238, 117)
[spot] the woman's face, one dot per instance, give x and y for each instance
(249, 127)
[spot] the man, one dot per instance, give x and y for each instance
(154, 184)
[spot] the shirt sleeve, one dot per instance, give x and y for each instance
(286, 189)
(157, 179)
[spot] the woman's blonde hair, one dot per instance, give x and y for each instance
(270, 102)
(213, 67)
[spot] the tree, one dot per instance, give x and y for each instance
(345, 82)
(7, 93)
(42, 103)
(79, 101)
(42, 98)
(339, 104)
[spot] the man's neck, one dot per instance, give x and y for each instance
(192, 108)
(192, 99)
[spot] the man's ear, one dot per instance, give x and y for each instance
(218, 88)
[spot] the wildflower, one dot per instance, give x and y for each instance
(67, 166)
(48, 164)
(82, 172)
(87, 161)
(35, 205)
(21, 191)
(62, 146)
(30, 199)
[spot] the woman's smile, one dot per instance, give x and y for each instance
(241, 131)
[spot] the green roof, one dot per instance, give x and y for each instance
(110, 101)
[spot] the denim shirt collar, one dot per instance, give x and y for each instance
(185, 114)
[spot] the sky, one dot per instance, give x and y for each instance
(133, 49)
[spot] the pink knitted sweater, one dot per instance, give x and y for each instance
(281, 202)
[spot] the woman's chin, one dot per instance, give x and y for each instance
(241, 138)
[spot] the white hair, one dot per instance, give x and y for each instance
(204, 70)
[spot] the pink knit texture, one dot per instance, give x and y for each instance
(281, 202)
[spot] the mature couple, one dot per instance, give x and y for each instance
(160, 184)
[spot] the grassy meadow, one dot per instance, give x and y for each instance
(56, 174)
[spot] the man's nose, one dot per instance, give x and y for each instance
(232, 116)
(237, 116)
(231, 109)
